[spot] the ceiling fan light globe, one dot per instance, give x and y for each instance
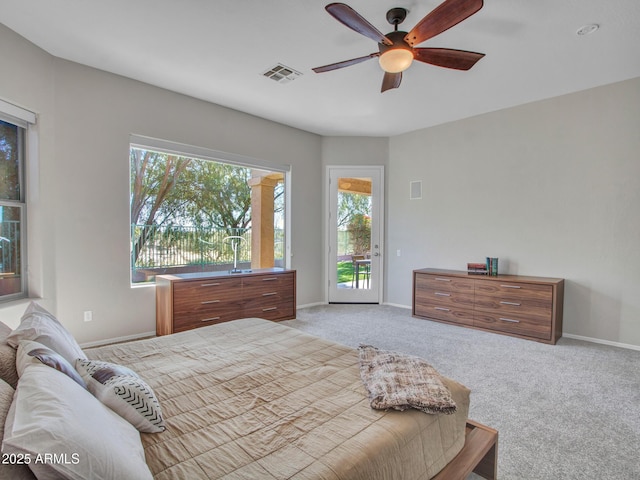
(396, 60)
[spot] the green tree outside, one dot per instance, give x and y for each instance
(188, 197)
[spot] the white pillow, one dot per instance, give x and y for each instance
(10, 470)
(122, 390)
(40, 326)
(67, 433)
(33, 352)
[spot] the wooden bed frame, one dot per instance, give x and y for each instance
(479, 455)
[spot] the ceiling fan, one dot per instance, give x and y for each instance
(397, 49)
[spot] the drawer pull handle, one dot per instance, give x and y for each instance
(443, 294)
(270, 279)
(270, 294)
(511, 320)
(210, 319)
(511, 303)
(442, 308)
(210, 284)
(209, 301)
(511, 286)
(443, 279)
(270, 309)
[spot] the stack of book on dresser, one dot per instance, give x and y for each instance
(477, 269)
(490, 267)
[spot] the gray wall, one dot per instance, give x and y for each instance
(78, 224)
(552, 188)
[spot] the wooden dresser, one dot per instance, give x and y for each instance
(525, 307)
(194, 300)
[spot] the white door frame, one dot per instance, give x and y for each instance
(375, 293)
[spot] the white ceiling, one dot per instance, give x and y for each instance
(217, 50)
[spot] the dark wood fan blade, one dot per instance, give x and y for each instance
(443, 17)
(447, 57)
(391, 80)
(345, 63)
(352, 19)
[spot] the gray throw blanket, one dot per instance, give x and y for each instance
(399, 381)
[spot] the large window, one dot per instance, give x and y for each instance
(12, 210)
(196, 210)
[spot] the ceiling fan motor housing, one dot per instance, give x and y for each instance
(396, 16)
(397, 38)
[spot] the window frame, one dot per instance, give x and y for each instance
(23, 119)
(203, 153)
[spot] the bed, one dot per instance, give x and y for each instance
(253, 399)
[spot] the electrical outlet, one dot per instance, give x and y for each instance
(398, 253)
(88, 316)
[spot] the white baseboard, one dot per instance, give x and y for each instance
(603, 342)
(407, 307)
(127, 338)
(307, 305)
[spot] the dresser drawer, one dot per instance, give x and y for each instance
(442, 283)
(271, 310)
(203, 295)
(224, 313)
(520, 325)
(445, 298)
(443, 312)
(521, 307)
(268, 284)
(542, 294)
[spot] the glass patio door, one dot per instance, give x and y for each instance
(355, 234)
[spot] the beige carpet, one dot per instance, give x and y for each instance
(565, 411)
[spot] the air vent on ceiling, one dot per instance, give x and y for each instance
(281, 73)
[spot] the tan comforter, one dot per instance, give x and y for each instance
(252, 399)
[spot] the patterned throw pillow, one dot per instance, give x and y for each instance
(122, 390)
(29, 351)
